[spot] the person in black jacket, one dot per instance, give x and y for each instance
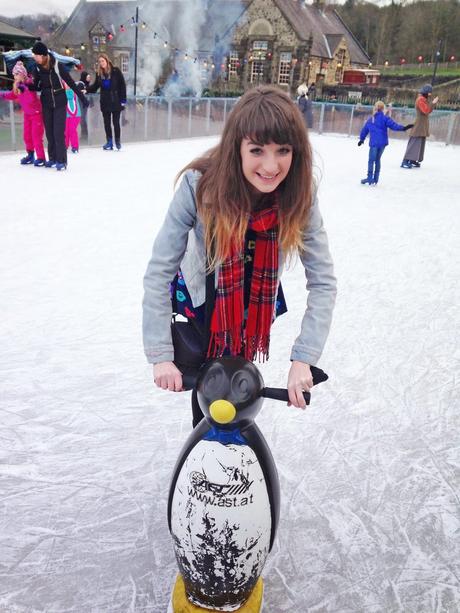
(49, 77)
(82, 85)
(113, 97)
(305, 105)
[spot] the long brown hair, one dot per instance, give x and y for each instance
(265, 114)
(102, 72)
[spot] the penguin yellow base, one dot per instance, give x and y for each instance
(181, 604)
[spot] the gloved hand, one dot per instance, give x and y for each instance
(123, 105)
(408, 127)
(360, 142)
(22, 87)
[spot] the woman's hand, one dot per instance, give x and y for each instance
(435, 100)
(167, 376)
(299, 380)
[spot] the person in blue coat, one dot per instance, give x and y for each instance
(377, 127)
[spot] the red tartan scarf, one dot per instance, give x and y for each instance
(228, 329)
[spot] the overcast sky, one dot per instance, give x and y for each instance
(12, 8)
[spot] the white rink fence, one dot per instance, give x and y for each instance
(159, 118)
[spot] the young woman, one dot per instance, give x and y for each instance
(33, 122)
(254, 190)
(49, 78)
(110, 80)
(377, 127)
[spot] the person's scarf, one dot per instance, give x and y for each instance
(228, 329)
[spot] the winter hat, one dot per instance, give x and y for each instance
(40, 48)
(426, 89)
(19, 69)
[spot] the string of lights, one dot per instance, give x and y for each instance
(185, 54)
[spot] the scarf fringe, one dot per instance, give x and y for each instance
(254, 348)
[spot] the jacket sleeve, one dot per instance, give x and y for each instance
(321, 288)
(122, 87)
(10, 95)
(364, 131)
(423, 105)
(392, 125)
(71, 83)
(168, 250)
(93, 87)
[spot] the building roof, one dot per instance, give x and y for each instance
(326, 27)
(8, 30)
(217, 21)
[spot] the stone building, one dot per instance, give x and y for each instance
(95, 27)
(287, 42)
(239, 43)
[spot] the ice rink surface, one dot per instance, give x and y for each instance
(370, 473)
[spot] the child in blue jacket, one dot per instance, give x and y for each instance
(377, 128)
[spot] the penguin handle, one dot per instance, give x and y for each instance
(279, 393)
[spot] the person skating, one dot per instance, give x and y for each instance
(111, 82)
(73, 116)
(415, 150)
(377, 127)
(49, 78)
(29, 102)
(255, 186)
(82, 84)
(305, 105)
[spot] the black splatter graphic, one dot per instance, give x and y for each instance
(215, 575)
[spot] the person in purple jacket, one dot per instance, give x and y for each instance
(377, 127)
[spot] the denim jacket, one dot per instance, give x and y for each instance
(180, 244)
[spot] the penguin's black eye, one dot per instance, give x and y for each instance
(215, 384)
(242, 386)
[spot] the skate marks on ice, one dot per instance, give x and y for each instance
(369, 474)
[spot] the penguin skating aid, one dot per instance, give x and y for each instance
(223, 505)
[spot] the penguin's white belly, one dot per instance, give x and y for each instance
(221, 519)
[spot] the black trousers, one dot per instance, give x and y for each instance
(54, 120)
(84, 124)
(110, 118)
(197, 415)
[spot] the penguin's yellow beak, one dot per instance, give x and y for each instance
(222, 411)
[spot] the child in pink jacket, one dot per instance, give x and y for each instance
(73, 118)
(33, 120)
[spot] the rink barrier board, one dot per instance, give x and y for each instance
(157, 118)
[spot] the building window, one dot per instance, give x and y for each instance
(233, 64)
(124, 63)
(95, 40)
(257, 71)
(259, 49)
(259, 54)
(284, 76)
(340, 63)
